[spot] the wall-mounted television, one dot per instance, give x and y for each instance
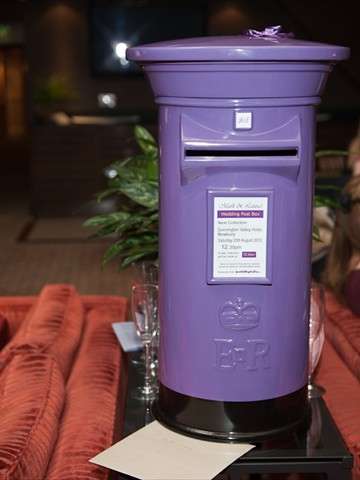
(115, 25)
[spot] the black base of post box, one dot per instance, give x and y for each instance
(231, 421)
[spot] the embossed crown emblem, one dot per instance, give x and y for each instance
(239, 315)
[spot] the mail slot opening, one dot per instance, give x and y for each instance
(289, 152)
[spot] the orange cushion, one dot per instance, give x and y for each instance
(343, 331)
(342, 397)
(31, 398)
(98, 376)
(53, 325)
(15, 310)
(4, 331)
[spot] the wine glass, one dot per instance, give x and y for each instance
(144, 310)
(316, 336)
(144, 272)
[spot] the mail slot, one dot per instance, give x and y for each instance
(237, 136)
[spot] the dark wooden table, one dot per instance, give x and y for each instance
(316, 448)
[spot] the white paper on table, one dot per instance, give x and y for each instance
(127, 336)
(157, 453)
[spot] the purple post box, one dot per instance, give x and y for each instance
(237, 130)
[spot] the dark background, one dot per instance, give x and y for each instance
(60, 168)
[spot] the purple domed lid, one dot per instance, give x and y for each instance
(270, 44)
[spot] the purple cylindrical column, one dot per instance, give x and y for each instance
(236, 184)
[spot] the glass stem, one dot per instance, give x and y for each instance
(148, 365)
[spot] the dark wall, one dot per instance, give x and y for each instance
(327, 21)
(12, 11)
(58, 44)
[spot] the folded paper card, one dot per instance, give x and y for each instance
(127, 336)
(157, 453)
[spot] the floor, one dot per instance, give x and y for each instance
(51, 253)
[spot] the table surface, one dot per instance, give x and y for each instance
(320, 441)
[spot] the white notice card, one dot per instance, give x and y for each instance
(240, 237)
(157, 453)
(126, 334)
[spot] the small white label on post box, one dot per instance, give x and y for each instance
(240, 237)
(243, 120)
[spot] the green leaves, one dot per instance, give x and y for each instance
(135, 225)
(331, 153)
(138, 189)
(137, 179)
(316, 233)
(54, 89)
(107, 219)
(322, 201)
(146, 141)
(133, 249)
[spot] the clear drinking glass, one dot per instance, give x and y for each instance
(144, 273)
(316, 336)
(144, 309)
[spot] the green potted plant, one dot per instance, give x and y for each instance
(134, 181)
(53, 91)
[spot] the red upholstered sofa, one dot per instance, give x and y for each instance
(339, 373)
(62, 384)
